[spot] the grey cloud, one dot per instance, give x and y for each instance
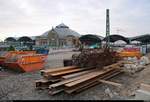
(84, 16)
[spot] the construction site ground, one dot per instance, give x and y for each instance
(21, 86)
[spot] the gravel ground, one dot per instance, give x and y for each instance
(21, 86)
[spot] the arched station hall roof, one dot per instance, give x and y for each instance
(143, 38)
(25, 39)
(116, 37)
(90, 38)
(12, 39)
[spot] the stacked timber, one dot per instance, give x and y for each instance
(72, 79)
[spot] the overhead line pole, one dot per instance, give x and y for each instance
(107, 29)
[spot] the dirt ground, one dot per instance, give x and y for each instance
(21, 86)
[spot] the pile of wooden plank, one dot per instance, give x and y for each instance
(73, 79)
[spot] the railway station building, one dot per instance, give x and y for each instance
(59, 36)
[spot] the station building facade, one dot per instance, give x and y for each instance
(59, 36)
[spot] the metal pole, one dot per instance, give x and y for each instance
(107, 28)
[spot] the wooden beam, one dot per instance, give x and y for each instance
(83, 86)
(78, 74)
(111, 83)
(50, 70)
(96, 74)
(52, 79)
(82, 80)
(55, 92)
(54, 88)
(118, 64)
(71, 80)
(42, 83)
(66, 72)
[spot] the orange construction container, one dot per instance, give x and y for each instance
(22, 52)
(7, 54)
(130, 54)
(26, 63)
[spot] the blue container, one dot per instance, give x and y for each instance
(43, 51)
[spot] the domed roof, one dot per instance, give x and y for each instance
(24, 38)
(10, 39)
(116, 37)
(62, 30)
(62, 25)
(90, 38)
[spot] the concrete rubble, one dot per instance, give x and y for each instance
(135, 64)
(108, 92)
(142, 95)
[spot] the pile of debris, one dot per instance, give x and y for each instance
(95, 58)
(143, 93)
(73, 79)
(89, 68)
(133, 64)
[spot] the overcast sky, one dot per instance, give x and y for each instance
(34, 17)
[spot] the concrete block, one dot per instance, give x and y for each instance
(142, 95)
